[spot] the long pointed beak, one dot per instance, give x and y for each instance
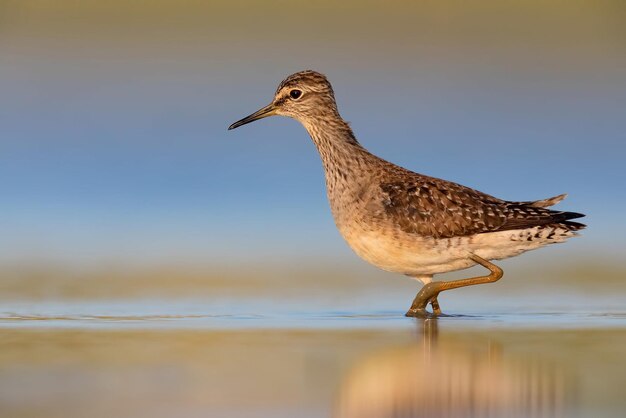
(268, 110)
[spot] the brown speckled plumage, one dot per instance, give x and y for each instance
(403, 221)
(442, 209)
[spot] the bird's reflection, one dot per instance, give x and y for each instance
(459, 376)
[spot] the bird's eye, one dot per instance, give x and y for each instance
(295, 94)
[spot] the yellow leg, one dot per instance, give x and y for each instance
(428, 293)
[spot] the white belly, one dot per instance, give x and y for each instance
(413, 255)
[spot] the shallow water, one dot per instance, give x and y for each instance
(245, 313)
(247, 357)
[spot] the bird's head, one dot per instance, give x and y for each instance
(303, 96)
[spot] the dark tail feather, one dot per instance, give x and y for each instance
(574, 226)
(563, 219)
(564, 216)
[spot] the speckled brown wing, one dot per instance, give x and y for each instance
(436, 208)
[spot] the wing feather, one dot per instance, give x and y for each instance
(440, 209)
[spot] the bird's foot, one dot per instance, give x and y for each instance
(420, 313)
(427, 295)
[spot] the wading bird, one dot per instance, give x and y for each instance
(406, 222)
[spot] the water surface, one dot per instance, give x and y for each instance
(247, 357)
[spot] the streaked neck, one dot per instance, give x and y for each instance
(345, 161)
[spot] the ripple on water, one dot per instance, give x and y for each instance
(255, 314)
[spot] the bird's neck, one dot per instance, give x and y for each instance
(345, 161)
(336, 144)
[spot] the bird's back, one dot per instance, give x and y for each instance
(437, 208)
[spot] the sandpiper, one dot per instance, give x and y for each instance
(406, 222)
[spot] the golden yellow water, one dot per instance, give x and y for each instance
(428, 368)
(307, 342)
